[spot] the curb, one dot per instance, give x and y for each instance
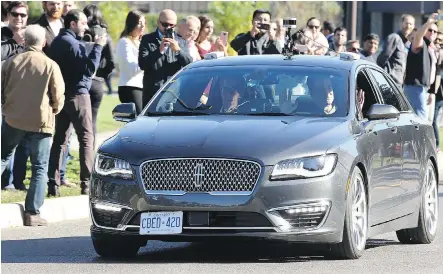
(53, 210)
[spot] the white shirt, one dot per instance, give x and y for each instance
(56, 26)
(127, 63)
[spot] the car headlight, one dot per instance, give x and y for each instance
(113, 167)
(307, 167)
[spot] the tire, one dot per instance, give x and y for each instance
(356, 197)
(426, 231)
(114, 248)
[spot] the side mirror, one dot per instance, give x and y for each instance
(381, 111)
(124, 112)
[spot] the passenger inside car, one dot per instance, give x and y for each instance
(231, 91)
(322, 94)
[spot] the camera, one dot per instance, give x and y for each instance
(264, 26)
(169, 33)
(290, 23)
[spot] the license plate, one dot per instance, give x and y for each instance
(161, 223)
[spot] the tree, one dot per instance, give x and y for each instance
(114, 13)
(324, 11)
(234, 17)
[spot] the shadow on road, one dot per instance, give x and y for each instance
(80, 250)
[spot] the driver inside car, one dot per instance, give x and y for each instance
(232, 89)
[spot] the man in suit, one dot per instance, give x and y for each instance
(162, 53)
(51, 21)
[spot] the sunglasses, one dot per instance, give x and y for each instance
(17, 14)
(433, 30)
(313, 27)
(354, 50)
(166, 25)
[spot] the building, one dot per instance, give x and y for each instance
(180, 7)
(383, 17)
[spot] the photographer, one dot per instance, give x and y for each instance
(97, 27)
(162, 53)
(256, 41)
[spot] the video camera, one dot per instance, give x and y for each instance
(291, 36)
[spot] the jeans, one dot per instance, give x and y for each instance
(418, 98)
(21, 156)
(65, 157)
(39, 146)
(438, 105)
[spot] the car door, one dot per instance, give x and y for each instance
(395, 144)
(377, 145)
(411, 138)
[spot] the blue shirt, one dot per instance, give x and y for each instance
(76, 66)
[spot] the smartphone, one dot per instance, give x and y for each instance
(224, 37)
(264, 26)
(439, 17)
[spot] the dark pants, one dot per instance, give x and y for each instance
(131, 95)
(39, 147)
(96, 94)
(77, 110)
(438, 105)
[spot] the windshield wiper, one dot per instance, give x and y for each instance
(184, 104)
(268, 114)
(176, 113)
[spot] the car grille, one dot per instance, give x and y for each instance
(200, 175)
(108, 218)
(222, 219)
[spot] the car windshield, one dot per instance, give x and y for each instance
(252, 90)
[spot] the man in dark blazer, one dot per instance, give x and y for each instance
(51, 20)
(162, 53)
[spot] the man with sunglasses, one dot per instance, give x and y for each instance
(257, 40)
(318, 43)
(353, 46)
(162, 53)
(421, 68)
(393, 56)
(13, 35)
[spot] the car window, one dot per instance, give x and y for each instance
(243, 90)
(386, 90)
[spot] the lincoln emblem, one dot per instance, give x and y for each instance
(198, 174)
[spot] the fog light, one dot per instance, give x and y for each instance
(303, 216)
(107, 207)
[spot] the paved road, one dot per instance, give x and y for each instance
(67, 247)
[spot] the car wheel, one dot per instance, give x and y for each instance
(428, 215)
(356, 220)
(109, 248)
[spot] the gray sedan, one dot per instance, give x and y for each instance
(310, 149)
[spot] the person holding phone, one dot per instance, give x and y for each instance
(257, 40)
(204, 43)
(162, 53)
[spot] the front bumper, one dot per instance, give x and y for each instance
(308, 210)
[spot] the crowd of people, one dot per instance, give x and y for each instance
(65, 58)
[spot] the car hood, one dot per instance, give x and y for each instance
(264, 139)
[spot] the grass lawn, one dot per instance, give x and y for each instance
(73, 174)
(105, 122)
